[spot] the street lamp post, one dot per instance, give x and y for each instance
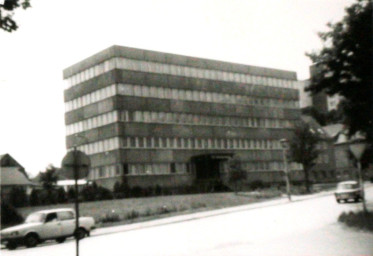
(285, 146)
(357, 147)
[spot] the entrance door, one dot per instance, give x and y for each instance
(208, 167)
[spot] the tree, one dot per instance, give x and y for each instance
(344, 66)
(49, 178)
(34, 198)
(236, 174)
(61, 195)
(303, 149)
(7, 22)
(332, 117)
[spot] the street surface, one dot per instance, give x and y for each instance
(302, 227)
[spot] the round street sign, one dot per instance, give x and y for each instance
(76, 161)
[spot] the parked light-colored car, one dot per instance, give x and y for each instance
(348, 190)
(39, 226)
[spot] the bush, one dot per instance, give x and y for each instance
(197, 205)
(136, 192)
(9, 215)
(299, 190)
(18, 197)
(110, 217)
(61, 196)
(257, 184)
(158, 190)
(358, 220)
(71, 194)
(166, 209)
(34, 198)
(89, 193)
(148, 212)
(94, 192)
(103, 194)
(132, 215)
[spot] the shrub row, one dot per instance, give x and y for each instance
(358, 220)
(121, 190)
(113, 216)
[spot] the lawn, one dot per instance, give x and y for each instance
(120, 211)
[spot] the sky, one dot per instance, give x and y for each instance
(54, 35)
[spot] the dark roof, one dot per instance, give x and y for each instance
(13, 176)
(315, 126)
(7, 160)
(335, 129)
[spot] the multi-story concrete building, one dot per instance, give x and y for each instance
(171, 120)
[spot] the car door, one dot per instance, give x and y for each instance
(67, 219)
(51, 227)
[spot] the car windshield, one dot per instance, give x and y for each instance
(35, 217)
(348, 186)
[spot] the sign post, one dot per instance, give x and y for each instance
(76, 166)
(357, 148)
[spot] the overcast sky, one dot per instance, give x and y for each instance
(53, 35)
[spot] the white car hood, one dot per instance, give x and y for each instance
(21, 227)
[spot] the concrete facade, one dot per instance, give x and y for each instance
(169, 120)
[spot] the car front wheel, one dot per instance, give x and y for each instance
(31, 240)
(11, 245)
(80, 233)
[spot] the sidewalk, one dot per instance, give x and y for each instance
(199, 215)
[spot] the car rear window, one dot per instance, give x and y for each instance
(66, 215)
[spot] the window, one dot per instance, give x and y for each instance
(125, 169)
(173, 168)
(141, 142)
(51, 217)
(101, 172)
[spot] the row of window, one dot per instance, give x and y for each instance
(176, 94)
(139, 169)
(91, 123)
(192, 119)
(90, 98)
(162, 68)
(175, 118)
(100, 146)
(202, 96)
(269, 166)
(177, 143)
(177, 168)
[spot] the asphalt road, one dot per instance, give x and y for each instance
(303, 227)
